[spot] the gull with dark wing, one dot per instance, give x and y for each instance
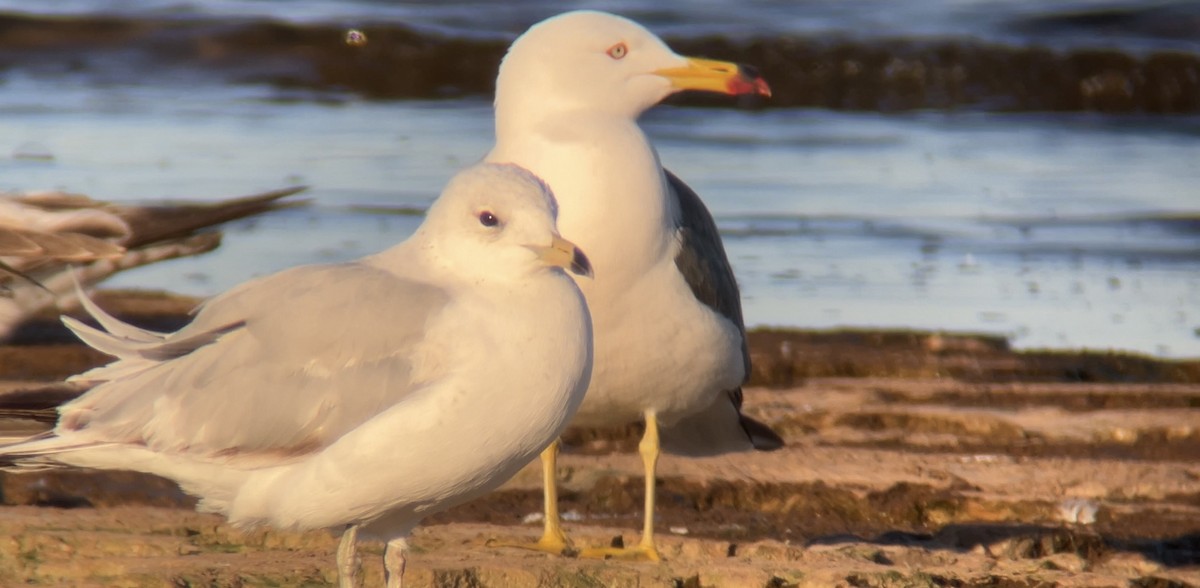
(670, 339)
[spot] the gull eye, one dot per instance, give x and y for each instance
(617, 51)
(487, 219)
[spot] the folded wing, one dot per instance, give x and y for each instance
(291, 362)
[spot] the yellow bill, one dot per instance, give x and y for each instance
(722, 77)
(564, 254)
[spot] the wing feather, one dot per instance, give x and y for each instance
(706, 268)
(110, 323)
(702, 260)
(282, 365)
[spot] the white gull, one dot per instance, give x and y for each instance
(670, 340)
(361, 396)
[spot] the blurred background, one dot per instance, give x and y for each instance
(1025, 168)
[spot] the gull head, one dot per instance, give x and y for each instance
(498, 221)
(597, 62)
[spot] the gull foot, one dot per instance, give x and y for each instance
(552, 545)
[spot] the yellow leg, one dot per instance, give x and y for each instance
(645, 550)
(553, 539)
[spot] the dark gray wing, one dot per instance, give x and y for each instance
(702, 259)
(706, 268)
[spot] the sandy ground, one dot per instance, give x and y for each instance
(913, 460)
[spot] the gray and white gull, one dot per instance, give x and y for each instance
(670, 340)
(361, 396)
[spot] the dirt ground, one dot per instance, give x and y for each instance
(922, 460)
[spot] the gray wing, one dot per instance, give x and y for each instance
(706, 268)
(702, 259)
(284, 365)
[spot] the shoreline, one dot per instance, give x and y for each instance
(401, 62)
(913, 459)
(781, 357)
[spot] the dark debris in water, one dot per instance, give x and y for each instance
(401, 63)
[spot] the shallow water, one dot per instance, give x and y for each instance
(1061, 231)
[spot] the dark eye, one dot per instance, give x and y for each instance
(488, 219)
(617, 51)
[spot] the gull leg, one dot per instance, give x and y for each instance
(645, 550)
(553, 539)
(393, 562)
(649, 448)
(348, 563)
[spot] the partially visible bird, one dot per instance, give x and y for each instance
(363, 395)
(42, 234)
(670, 339)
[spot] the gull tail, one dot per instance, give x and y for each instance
(761, 435)
(38, 452)
(719, 428)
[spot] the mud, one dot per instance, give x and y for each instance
(929, 460)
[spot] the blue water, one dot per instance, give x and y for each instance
(1058, 231)
(1151, 24)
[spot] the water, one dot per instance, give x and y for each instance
(1151, 24)
(1063, 231)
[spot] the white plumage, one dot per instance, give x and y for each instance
(366, 394)
(670, 343)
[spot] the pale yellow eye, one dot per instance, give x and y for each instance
(617, 51)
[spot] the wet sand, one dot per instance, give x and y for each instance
(914, 459)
